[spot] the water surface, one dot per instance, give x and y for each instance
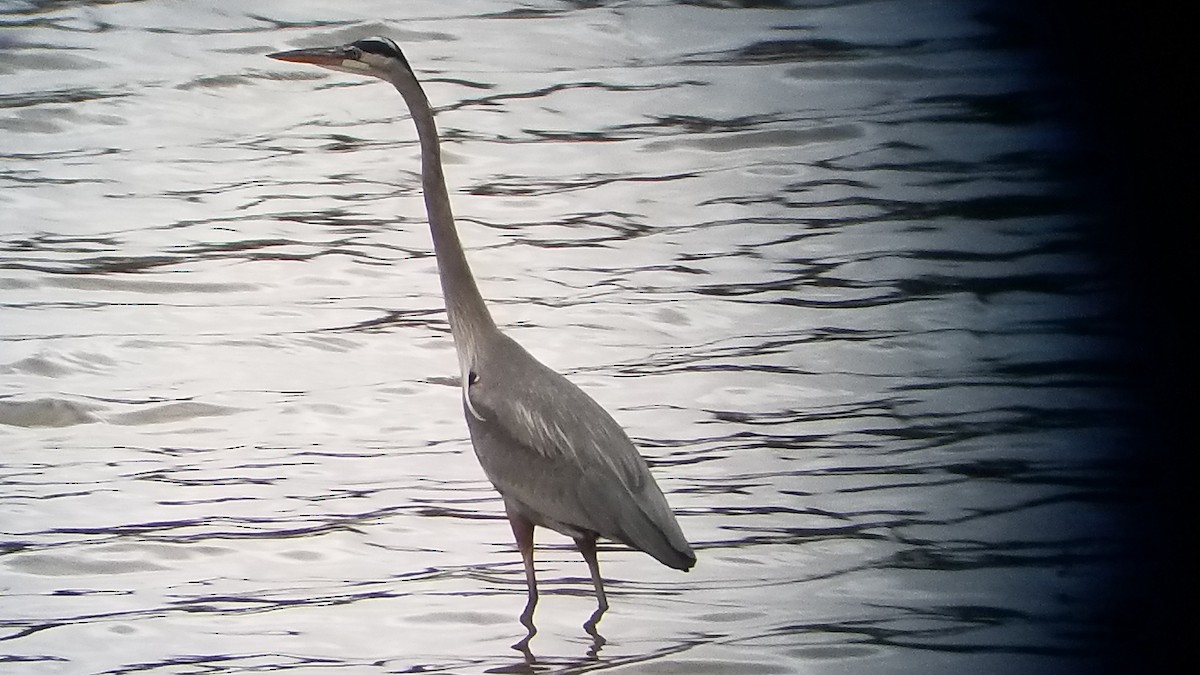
(825, 263)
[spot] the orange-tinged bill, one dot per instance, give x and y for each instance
(324, 56)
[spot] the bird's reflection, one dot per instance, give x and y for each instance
(522, 645)
(591, 627)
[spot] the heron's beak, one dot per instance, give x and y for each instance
(330, 57)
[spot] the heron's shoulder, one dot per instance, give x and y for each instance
(509, 369)
(545, 411)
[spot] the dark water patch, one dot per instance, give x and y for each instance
(1014, 108)
(37, 365)
(498, 99)
(810, 49)
(56, 97)
(46, 412)
(57, 565)
(172, 412)
(523, 186)
(779, 138)
(214, 82)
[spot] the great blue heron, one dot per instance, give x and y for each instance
(556, 457)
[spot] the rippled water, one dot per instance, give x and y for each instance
(825, 263)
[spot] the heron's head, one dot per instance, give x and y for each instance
(376, 56)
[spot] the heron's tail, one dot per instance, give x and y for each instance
(649, 525)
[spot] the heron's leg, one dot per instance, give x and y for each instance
(587, 546)
(523, 532)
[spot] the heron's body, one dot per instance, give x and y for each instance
(558, 459)
(562, 462)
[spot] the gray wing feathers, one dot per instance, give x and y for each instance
(547, 444)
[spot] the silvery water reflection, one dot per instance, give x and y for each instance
(819, 263)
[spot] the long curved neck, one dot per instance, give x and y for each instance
(468, 315)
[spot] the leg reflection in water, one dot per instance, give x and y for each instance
(590, 626)
(598, 640)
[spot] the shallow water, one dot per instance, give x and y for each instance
(825, 264)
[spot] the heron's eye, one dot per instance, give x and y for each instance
(472, 377)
